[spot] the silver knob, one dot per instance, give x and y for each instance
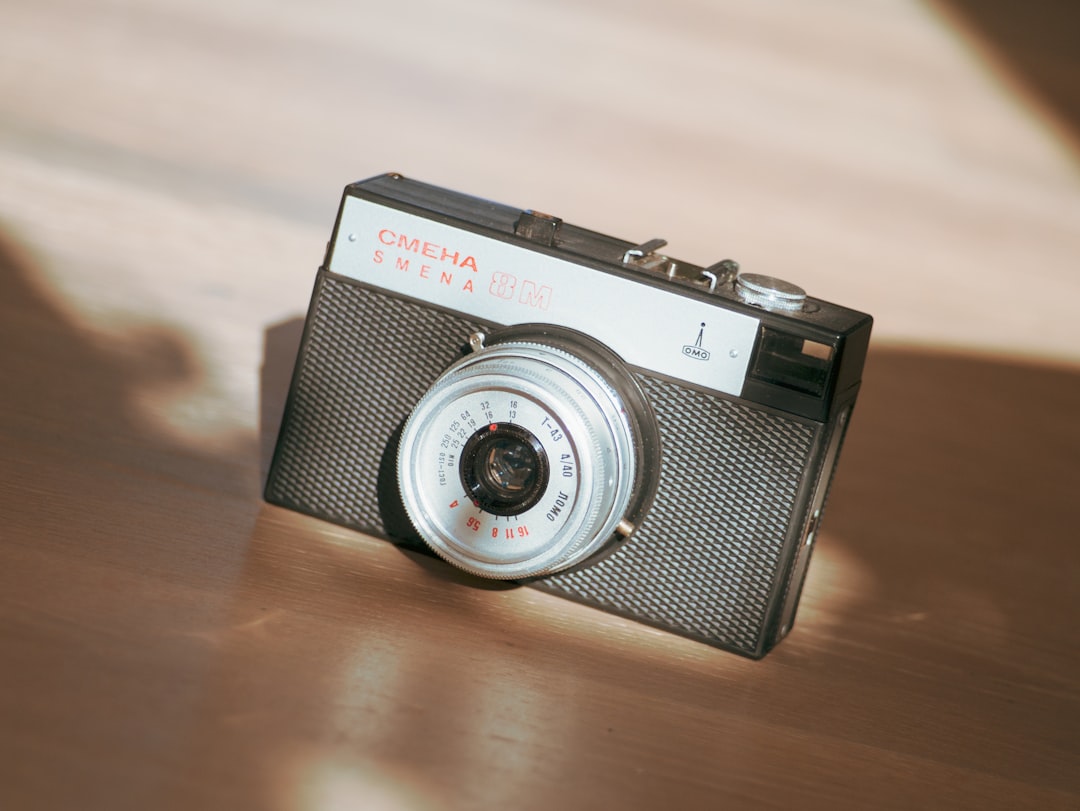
(770, 293)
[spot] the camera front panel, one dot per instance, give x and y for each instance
(745, 384)
(712, 558)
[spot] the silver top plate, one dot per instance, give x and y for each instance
(506, 284)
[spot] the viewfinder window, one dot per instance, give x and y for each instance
(793, 362)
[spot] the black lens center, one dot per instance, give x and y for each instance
(504, 469)
(507, 466)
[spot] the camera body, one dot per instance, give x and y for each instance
(539, 403)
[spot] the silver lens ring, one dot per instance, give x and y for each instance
(581, 431)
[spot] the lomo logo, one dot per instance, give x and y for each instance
(695, 350)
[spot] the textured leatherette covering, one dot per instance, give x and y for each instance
(711, 558)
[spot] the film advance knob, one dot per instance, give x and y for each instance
(769, 292)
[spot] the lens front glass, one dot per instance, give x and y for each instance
(504, 469)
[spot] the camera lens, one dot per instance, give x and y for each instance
(523, 459)
(504, 469)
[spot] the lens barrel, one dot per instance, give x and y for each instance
(524, 457)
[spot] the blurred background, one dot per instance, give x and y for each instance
(169, 174)
(912, 159)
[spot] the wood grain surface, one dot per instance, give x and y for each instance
(169, 173)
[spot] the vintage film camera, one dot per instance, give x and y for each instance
(540, 403)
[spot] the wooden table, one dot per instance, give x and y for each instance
(168, 177)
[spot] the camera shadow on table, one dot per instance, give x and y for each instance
(164, 622)
(938, 596)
